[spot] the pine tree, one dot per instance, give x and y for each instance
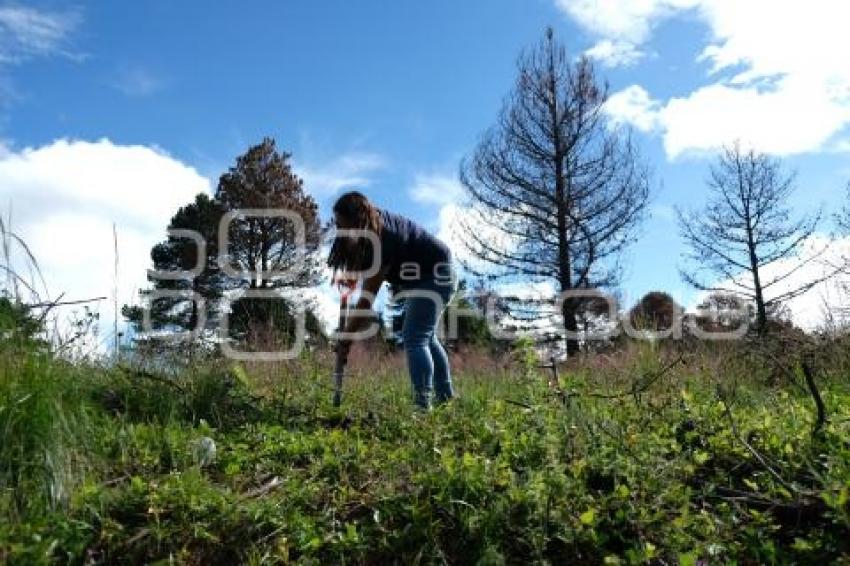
(262, 179)
(179, 253)
(265, 252)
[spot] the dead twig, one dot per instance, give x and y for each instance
(58, 302)
(805, 509)
(138, 536)
(153, 377)
(777, 364)
(645, 383)
(808, 373)
(519, 404)
(115, 481)
(806, 365)
(263, 489)
(755, 453)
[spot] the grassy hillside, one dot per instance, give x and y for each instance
(643, 456)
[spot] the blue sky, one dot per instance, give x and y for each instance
(414, 81)
(388, 97)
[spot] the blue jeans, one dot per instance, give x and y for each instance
(427, 360)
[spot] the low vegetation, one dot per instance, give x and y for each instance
(648, 455)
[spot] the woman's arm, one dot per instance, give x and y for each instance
(370, 289)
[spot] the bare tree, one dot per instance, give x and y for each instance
(837, 313)
(745, 226)
(556, 191)
(842, 218)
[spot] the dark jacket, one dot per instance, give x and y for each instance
(410, 254)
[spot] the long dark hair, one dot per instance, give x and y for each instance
(354, 254)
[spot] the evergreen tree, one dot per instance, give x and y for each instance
(265, 251)
(180, 253)
(262, 179)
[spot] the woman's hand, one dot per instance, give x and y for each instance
(354, 324)
(364, 304)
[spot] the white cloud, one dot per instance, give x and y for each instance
(719, 114)
(436, 189)
(455, 224)
(615, 53)
(455, 218)
(65, 196)
(798, 117)
(821, 256)
(450, 221)
(782, 87)
(622, 25)
(349, 171)
(326, 305)
(627, 20)
(447, 192)
(841, 146)
(634, 106)
(26, 32)
(807, 310)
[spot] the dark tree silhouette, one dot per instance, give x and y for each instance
(556, 191)
(262, 179)
(18, 324)
(179, 253)
(594, 314)
(745, 226)
(263, 252)
(721, 311)
(656, 311)
(470, 328)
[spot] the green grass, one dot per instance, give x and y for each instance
(101, 465)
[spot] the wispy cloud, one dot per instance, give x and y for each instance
(436, 189)
(626, 20)
(26, 32)
(350, 170)
(137, 82)
(455, 217)
(615, 53)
